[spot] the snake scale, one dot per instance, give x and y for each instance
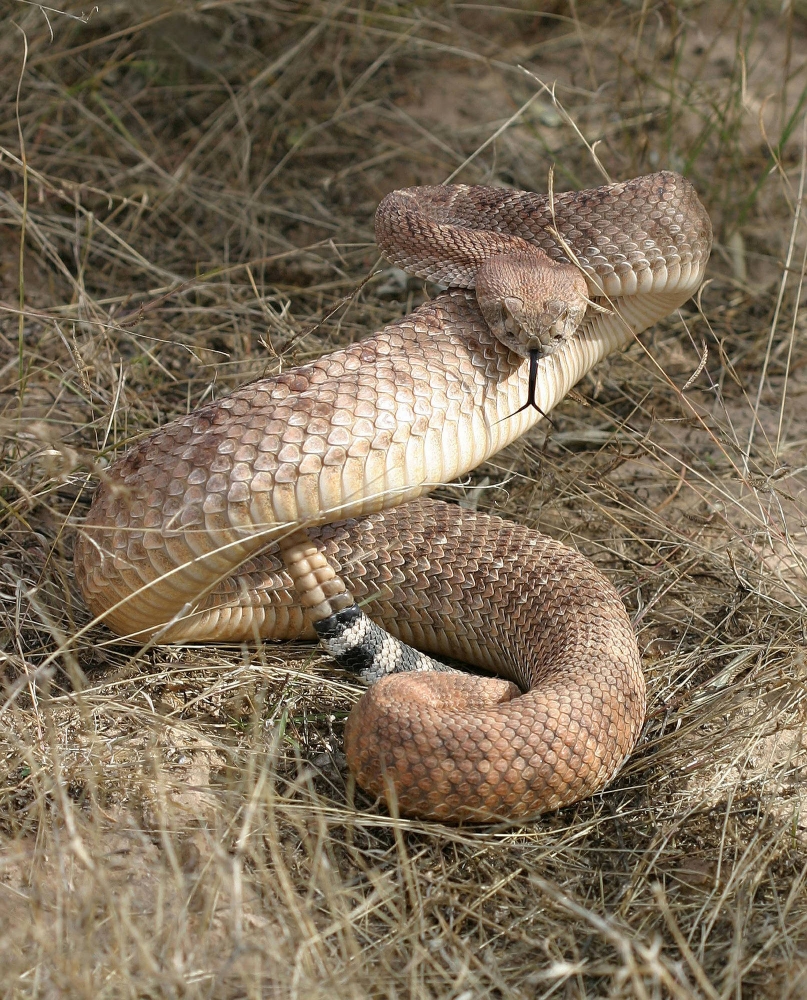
(267, 513)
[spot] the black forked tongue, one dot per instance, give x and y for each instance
(535, 356)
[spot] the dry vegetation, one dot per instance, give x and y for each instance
(187, 203)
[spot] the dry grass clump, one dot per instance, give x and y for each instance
(187, 201)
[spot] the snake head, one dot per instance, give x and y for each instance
(530, 302)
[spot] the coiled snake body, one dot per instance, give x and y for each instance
(218, 525)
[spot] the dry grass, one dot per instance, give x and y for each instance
(187, 201)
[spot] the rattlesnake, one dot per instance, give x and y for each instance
(190, 533)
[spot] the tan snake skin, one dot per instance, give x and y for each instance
(180, 541)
